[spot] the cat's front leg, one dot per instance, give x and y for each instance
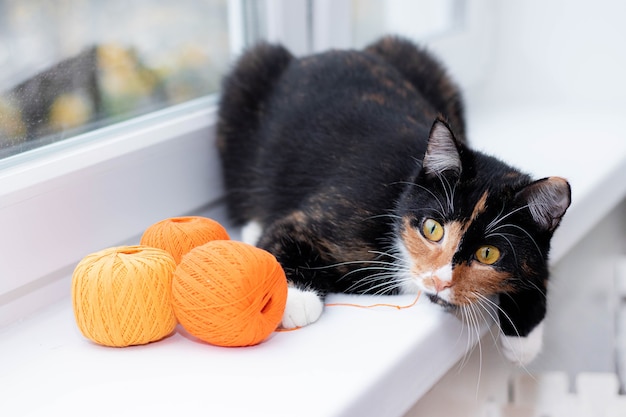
(521, 318)
(292, 243)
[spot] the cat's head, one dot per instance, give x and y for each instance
(471, 227)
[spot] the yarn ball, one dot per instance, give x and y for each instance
(229, 293)
(122, 295)
(178, 235)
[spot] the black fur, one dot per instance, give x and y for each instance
(326, 153)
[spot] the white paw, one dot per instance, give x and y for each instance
(522, 350)
(303, 308)
(251, 232)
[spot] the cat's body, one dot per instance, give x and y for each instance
(345, 167)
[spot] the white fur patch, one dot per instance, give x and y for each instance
(303, 308)
(251, 232)
(408, 283)
(522, 350)
(444, 273)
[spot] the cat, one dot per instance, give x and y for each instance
(352, 168)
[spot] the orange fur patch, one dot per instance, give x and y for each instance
(477, 278)
(467, 279)
(480, 207)
(429, 256)
(377, 98)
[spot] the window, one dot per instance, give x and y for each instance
(73, 66)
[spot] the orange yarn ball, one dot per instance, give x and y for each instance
(122, 296)
(228, 293)
(179, 235)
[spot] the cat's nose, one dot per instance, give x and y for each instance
(441, 285)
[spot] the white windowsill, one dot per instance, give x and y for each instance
(353, 362)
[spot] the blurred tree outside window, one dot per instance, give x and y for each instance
(70, 66)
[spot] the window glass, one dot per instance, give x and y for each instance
(68, 66)
(415, 19)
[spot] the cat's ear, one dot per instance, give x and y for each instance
(442, 153)
(547, 200)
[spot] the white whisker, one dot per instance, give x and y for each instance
(443, 210)
(393, 216)
(449, 191)
(487, 308)
(475, 312)
(375, 278)
(463, 319)
(519, 228)
(532, 285)
(335, 265)
(397, 257)
(498, 308)
(499, 219)
(445, 190)
(503, 236)
(385, 287)
(369, 268)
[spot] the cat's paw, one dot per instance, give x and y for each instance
(303, 308)
(251, 232)
(522, 350)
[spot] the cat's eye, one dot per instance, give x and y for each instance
(432, 230)
(488, 254)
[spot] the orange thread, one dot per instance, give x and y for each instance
(376, 305)
(283, 330)
(228, 293)
(419, 293)
(178, 235)
(122, 296)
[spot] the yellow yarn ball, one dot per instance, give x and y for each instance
(122, 295)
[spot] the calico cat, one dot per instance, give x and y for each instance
(353, 169)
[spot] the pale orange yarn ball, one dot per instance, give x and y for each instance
(228, 293)
(179, 235)
(122, 296)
